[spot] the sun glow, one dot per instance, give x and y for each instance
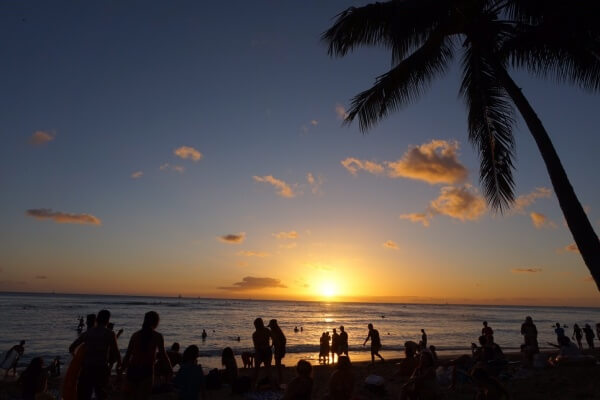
(328, 289)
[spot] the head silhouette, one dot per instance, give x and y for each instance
(484, 323)
(103, 318)
(22, 343)
(370, 326)
(344, 363)
(303, 368)
(342, 328)
(151, 320)
(175, 347)
(226, 355)
(258, 323)
(190, 354)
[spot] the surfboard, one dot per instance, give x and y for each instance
(13, 356)
(69, 389)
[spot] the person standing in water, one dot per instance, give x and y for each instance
(335, 345)
(262, 348)
(140, 358)
(589, 335)
(375, 343)
(279, 342)
(577, 335)
(204, 334)
(343, 341)
(424, 338)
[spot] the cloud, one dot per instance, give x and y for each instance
(176, 168)
(288, 246)
(314, 122)
(319, 266)
(353, 165)
(433, 162)
(233, 238)
(462, 203)
(249, 253)
(41, 137)
(284, 190)
(254, 283)
(340, 110)
(188, 153)
(572, 248)
(540, 221)
(63, 218)
(137, 175)
(588, 279)
(390, 244)
(315, 183)
(526, 270)
(422, 218)
(41, 277)
(523, 201)
(286, 235)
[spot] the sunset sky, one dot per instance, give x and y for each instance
(198, 149)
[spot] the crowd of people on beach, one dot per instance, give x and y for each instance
(148, 366)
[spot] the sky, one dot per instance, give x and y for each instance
(157, 148)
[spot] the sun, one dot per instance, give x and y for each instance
(328, 289)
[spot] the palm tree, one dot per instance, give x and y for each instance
(424, 36)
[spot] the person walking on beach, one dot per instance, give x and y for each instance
(262, 348)
(577, 335)
(424, 338)
(140, 358)
(560, 332)
(589, 335)
(101, 351)
(335, 346)
(343, 342)
(12, 357)
(375, 343)
(279, 342)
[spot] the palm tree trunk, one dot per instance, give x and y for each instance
(577, 220)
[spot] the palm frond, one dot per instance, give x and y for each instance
(400, 25)
(403, 84)
(490, 120)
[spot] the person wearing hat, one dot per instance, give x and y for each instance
(279, 342)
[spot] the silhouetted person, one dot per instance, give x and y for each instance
(300, 388)
(262, 348)
(230, 373)
(589, 335)
(204, 334)
(54, 368)
(140, 358)
(90, 321)
(343, 342)
(174, 355)
(12, 357)
(423, 338)
(100, 351)
(577, 335)
(529, 332)
(488, 387)
(342, 381)
(164, 369)
(296, 329)
(279, 342)
(375, 343)
(408, 365)
(118, 334)
(324, 348)
(335, 345)
(560, 332)
(190, 378)
(34, 380)
(81, 325)
(486, 330)
(421, 384)
(302, 330)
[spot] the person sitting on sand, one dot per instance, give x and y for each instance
(559, 331)
(589, 335)
(144, 346)
(569, 354)
(300, 388)
(460, 369)
(577, 335)
(342, 381)
(422, 384)
(165, 370)
(343, 342)
(375, 343)
(279, 342)
(488, 388)
(262, 348)
(230, 373)
(101, 350)
(408, 365)
(15, 353)
(324, 348)
(175, 357)
(335, 345)
(34, 380)
(189, 380)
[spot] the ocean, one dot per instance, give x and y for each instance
(48, 323)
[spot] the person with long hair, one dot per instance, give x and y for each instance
(34, 379)
(342, 381)
(300, 388)
(279, 342)
(140, 358)
(190, 378)
(228, 361)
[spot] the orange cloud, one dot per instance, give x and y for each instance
(572, 248)
(526, 200)
(137, 175)
(340, 110)
(390, 244)
(249, 253)
(176, 168)
(288, 246)
(41, 137)
(353, 165)
(422, 218)
(254, 283)
(63, 218)
(187, 152)
(233, 238)
(315, 183)
(284, 189)
(434, 162)
(540, 221)
(525, 270)
(286, 235)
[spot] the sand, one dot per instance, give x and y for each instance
(567, 382)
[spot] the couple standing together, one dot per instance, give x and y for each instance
(262, 338)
